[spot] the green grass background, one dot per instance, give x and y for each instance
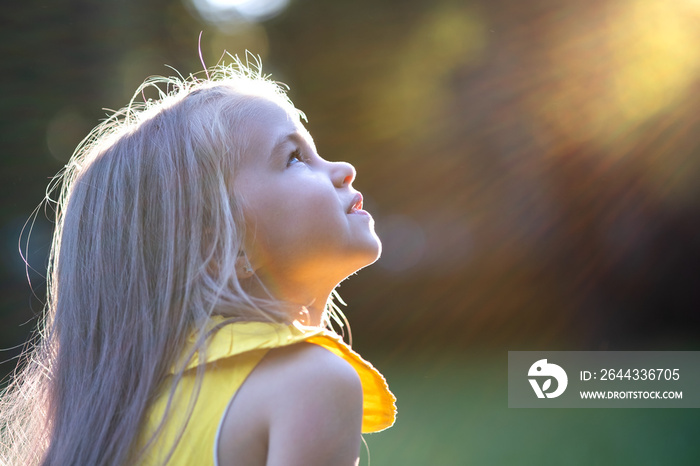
(453, 410)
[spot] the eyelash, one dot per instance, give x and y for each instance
(296, 155)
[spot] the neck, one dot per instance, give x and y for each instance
(307, 303)
(312, 315)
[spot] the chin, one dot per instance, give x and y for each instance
(377, 252)
(370, 255)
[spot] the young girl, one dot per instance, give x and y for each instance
(198, 241)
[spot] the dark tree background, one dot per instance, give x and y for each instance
(531, 164)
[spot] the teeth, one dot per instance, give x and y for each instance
(356, 206)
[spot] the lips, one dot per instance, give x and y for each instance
(356, 204)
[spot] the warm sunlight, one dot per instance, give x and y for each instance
(249, 10)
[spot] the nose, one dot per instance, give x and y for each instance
(342, 174)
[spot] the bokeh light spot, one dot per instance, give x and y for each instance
(415, 93)
(656, 48)
(225, 11)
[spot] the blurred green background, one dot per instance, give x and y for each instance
(532, 167)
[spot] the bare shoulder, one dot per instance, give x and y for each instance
(301, 405)
(311, 366)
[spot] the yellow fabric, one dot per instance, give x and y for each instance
(231, 354)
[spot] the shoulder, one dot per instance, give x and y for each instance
(306, 402)
(309, 366)
(308, 385)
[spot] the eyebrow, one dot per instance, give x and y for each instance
(293, 137)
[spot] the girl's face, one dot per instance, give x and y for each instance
(305, 224)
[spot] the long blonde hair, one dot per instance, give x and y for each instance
(147, 234)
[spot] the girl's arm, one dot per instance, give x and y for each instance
(301, 406)
(319, 417)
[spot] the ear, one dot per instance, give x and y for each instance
(243, 267)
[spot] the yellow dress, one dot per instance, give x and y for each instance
(231, 354)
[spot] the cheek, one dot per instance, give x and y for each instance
(302, 218)
(302, 222)
(306, 217)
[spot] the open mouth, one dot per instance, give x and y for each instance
(356, 205)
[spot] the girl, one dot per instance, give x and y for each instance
(198, 241)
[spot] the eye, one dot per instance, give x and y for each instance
(295, 157)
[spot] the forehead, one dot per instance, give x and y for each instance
(269, 113)
(268, 124)
(269, 119)
(273, 120)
